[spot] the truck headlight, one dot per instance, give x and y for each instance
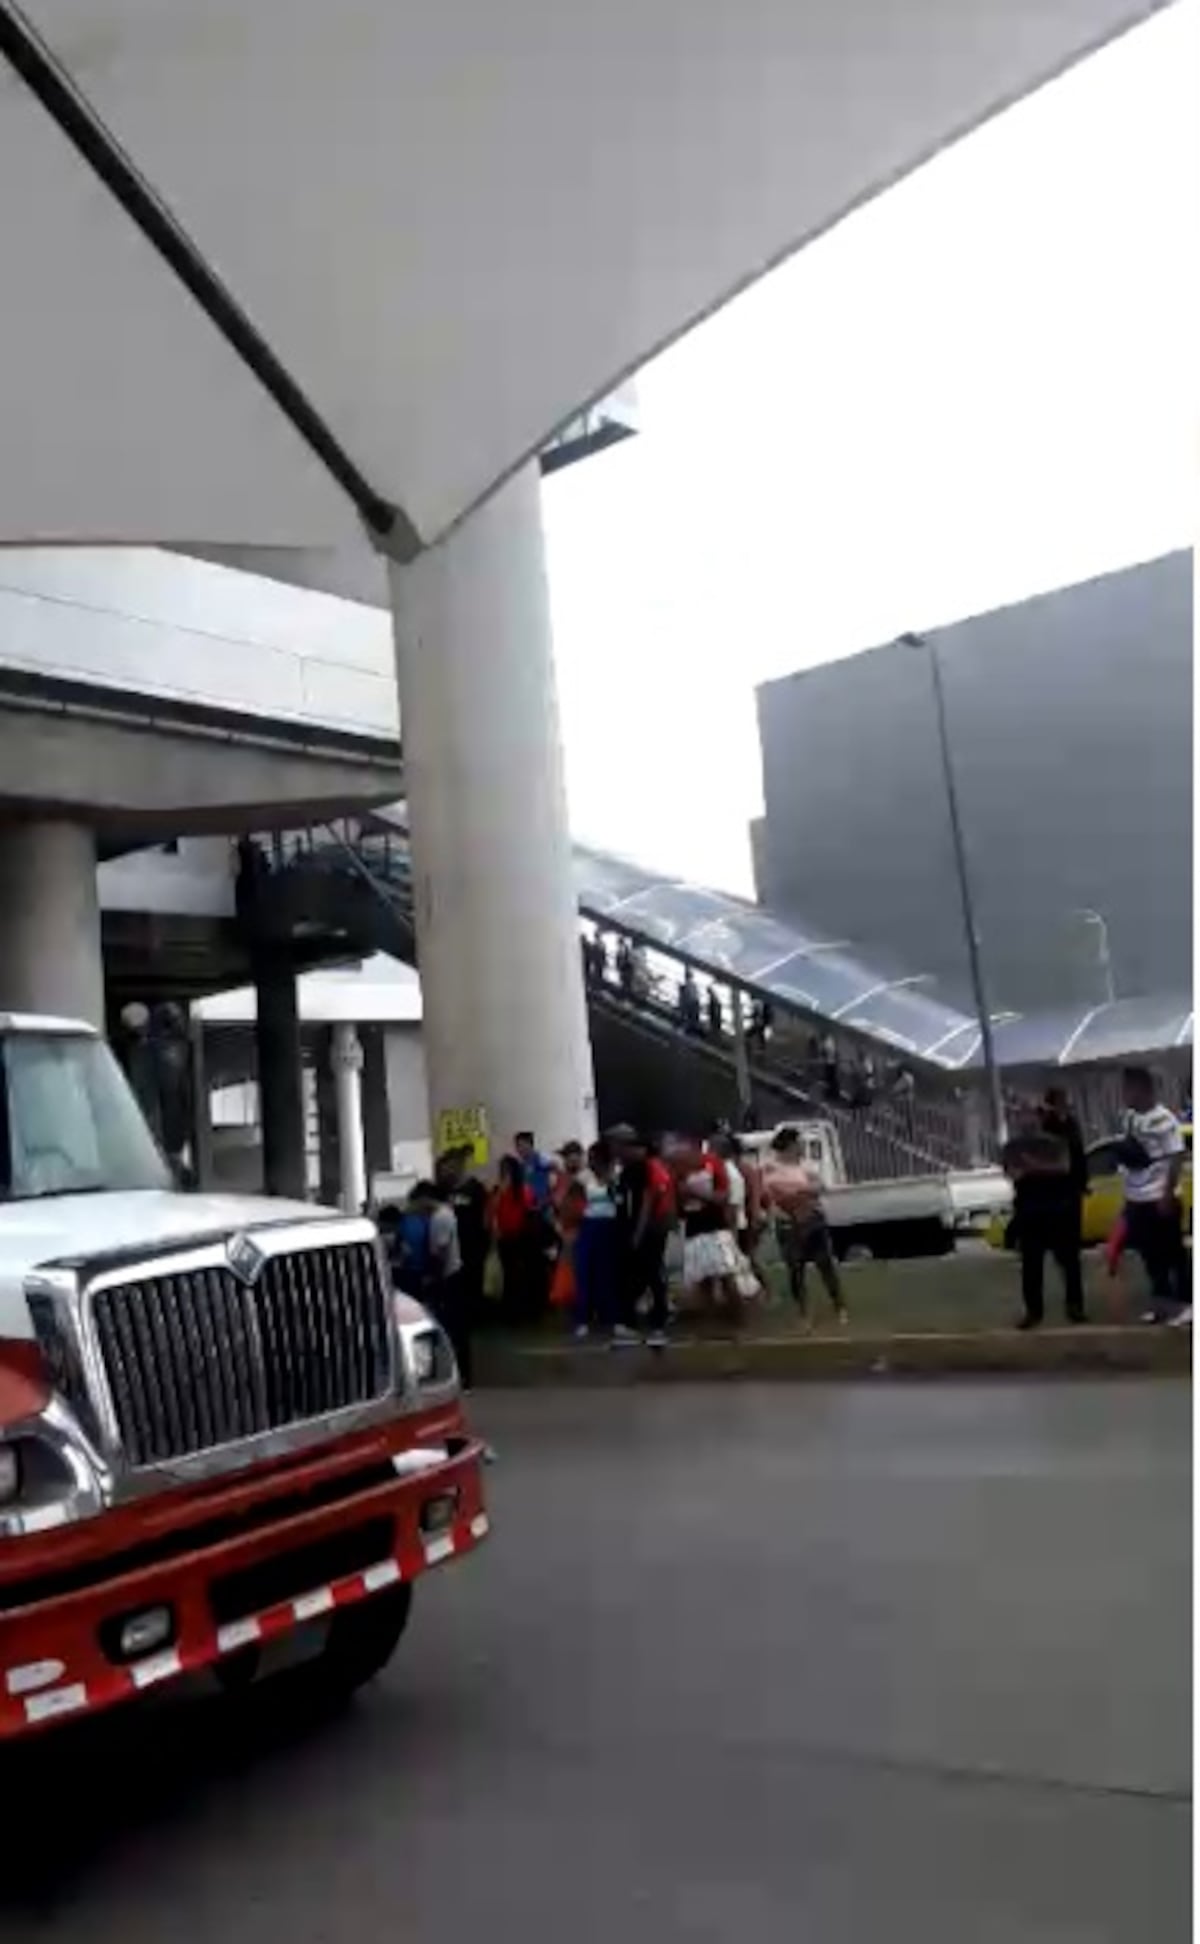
(430, 1356)
(46, 1479)
(424, 1356)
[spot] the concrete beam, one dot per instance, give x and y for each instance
(147, 780)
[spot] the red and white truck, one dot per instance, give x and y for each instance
(218, 1423)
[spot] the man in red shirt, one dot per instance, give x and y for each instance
(646, 1210)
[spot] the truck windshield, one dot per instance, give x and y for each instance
(69, 1124)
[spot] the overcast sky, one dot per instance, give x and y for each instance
(979, 387)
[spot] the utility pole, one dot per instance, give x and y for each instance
(966, 896)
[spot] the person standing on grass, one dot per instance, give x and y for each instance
(1151, 1156)
(538, 1169)
(541, 1176)
(793, 1191)
(1046, 1217)
(515, 1225)
(569, 1202)
(646, 1210)
(597, 1245)
(710, 1256)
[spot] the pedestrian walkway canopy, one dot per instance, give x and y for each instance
(273, 271)
(803, 968)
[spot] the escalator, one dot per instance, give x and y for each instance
(351, 884)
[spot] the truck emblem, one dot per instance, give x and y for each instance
(245, 1258)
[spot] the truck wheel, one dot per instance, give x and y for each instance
(361, 1640)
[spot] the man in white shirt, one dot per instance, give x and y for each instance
(1151, 1156)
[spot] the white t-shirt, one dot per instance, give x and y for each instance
(1161, 1135)
(601, 1203)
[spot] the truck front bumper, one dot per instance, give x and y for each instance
(250, 1561)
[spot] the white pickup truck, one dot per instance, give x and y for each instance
(218, 1422)
(911, 1215)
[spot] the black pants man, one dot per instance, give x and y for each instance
(1050, 1228)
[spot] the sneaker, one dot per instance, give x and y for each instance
(1183, 1320)
(1152, 1316)
(1077, 1316)
(657, 1340)
(622, 1334)
(1029, 1323)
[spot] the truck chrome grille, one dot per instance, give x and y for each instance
(196, 1359)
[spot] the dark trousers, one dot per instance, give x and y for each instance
(448, 1300)
(1156, 1234)
(644, 1272)
(1054, 1232)
(805, 1242)
(597, 1270)
(525, 1271)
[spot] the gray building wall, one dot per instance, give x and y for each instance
(1070, 717)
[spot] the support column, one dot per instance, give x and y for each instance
(346, 1055)
(202, 1141)
(505, 1020)
(50, 958)
(281, 1099)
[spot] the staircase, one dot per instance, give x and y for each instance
(356, 880)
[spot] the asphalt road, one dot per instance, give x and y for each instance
(740, 1664)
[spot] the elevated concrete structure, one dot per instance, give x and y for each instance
(137, 770)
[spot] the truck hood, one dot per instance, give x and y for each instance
(33, 1232)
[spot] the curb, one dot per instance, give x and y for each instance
(1090, 1352)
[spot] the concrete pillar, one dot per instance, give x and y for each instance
(505, 1023)
(50, 958)
(346, 1055)
(280, 1092)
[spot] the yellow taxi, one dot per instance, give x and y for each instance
(1105, 1197)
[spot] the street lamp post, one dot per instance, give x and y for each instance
(1103, 950)
(966, 897)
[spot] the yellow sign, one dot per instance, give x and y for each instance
(464, 1127)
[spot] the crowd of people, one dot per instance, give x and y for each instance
(1047, 1163)
(586, 1232)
